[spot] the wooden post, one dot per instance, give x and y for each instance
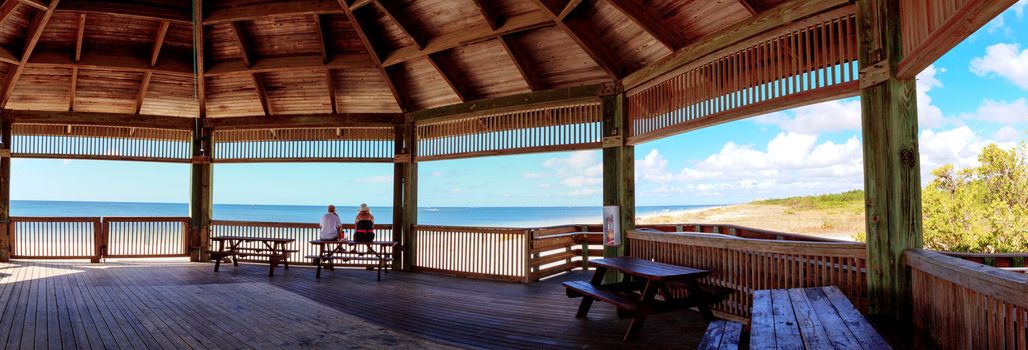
(5, 189)
(201, 192)
(618, 168)
(405, 195)
(892, 182)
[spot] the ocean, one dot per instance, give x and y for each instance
(449, 216)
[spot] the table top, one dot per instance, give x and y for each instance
(253, 239)
(809, 318)
(350, 241)
(648, 269)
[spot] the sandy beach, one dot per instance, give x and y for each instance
(836, 223)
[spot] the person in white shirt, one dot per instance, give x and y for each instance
(330, 224)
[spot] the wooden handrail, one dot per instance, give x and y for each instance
(53, 219)
(999, 283)
(856, 250)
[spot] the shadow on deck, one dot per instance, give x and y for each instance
(187, 305)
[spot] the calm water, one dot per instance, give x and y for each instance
(463, 216)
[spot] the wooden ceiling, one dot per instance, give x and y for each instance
(289, 57)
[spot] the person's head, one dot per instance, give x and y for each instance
(331, 208)
(365, 209)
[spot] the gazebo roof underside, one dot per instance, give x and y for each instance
(265, 57)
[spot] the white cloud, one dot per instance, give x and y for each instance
(581, 173)
(1007, 134)
(928, 115)
(375, 179)
(1019, 8)
(831, 116)
(1005, 60)
(653, 167)
(1004, 113)
(959, 146)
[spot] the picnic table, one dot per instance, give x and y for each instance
(346, 250)
(636, 296)
(809, 318)
(272, 248)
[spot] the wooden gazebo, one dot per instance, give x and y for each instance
(409, 81)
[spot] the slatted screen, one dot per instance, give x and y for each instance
(560, 128)
(100, 142)
(930, 28)
(354, 144)
(805, 62)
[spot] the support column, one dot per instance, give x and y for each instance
(405, 195)
(5, 189)
(892, 183)
(201, 193)
(618, 167)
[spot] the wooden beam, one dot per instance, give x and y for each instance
(469, 35)
(969, 18)
(239, 36)
(309, 121)
(260, 10)
(493, 16)
(651, 23)
(38, 4)
(139, 10)
(7, 9)
(35, 31)
(201, 194)
(101, 119)
(401, 99)
(323, 40)
(522, 62)
(773, 18)
(752, 7)
(394, 11)
(80, 36)
(5, 189)
(500, 104)
(198, 58)
(74, 88)
(7, 56)
(158, 42)
(618, 171)
(289, 63)
(110, 62)
(585, 38)
(144, 86)
(449, 77)
(892, 177)
(330, 82)
(262, 95)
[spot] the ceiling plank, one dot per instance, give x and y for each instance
(276, 8)
(144, 11)
(331, 90)
(262, 94)
(198, 59)
(80, 36)
(401, 99)
(35, 31)
(290, 63)
(450, 77)
(493, 16)
(394, 11)
(522, 62)
(74, 88)
(158, 42)
(144, 86)
(110, 62)
(239, 35)
(469, 35)
(323, 41)
(778, 16)
(175, 67)
(7, 9)
(651, 23)
(585, 38)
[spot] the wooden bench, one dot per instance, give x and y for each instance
(809, 318)
(721, 335)
(271, 248)
(345, 250)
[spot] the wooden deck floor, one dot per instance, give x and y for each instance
(184, 305)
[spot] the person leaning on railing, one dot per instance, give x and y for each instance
(364, 225)
(331, 226)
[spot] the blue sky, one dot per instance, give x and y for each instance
(974, 95)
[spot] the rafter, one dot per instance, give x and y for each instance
(139, 10)
(38, 4)
(105, 119)
(177, 67)
(110, 62)
(158, 42)
(331, 90)
(240, 38)
(651, 23)
(80, 36)
(74, 88)
(493, 15)
(323, 40)
(401, 100)
(449, 77)
(144, 86)
(290, 63)
(469, 35)
(198, 51)
(35, 31)
(752, 6)
(7, 9)
(394, 11)
(585, 38)
(522, 62)
(272, 8)
(262, 94)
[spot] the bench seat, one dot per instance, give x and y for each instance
(721, 335)
(353, 258)
(624, 301)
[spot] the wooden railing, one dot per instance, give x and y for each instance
(559, 249)
(933, 27)
(301, 232)
(959, 304)
(475, 252)
(56, 238)
(146, 237)
(745, 265)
